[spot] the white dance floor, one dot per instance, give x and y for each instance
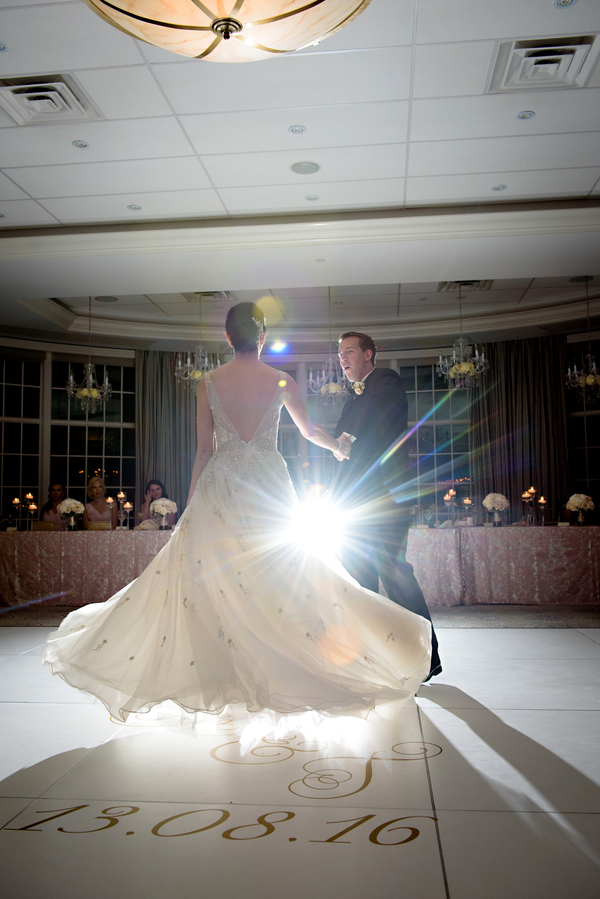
(488, 787)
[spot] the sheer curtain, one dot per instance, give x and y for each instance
(165, 427)
(519, 423)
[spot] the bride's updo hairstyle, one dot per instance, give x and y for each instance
(245, 325)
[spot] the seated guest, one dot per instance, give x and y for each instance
(155, 490)
(49, 511)
(98, 509)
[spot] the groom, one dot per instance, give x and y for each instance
(373, 486)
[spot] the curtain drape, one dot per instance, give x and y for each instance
(165, 427)
(519, 423)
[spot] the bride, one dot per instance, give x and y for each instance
(232, 612)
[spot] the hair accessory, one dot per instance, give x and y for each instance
(260, 326)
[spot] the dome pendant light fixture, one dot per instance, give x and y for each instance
(229, 30)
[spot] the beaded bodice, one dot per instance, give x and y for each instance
(228, 440)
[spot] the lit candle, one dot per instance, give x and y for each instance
(532, 490)
(16, 501)
(32, 507)
(452, 492)
(525, 496)
(467, 501)
(542, 501)
(121, 496)
(109, 501)
(29, 496)
(447, 498)
(128, 507)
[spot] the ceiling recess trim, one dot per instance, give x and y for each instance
(496, 224)
(434, 328)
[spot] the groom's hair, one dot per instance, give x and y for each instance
(364, 341)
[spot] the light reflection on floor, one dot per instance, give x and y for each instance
(487, 787)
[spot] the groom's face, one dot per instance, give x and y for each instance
(355, 362)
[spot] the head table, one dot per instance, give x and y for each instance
(454, 566)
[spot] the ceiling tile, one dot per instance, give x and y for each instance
(165, 298)
(250, 296)
(384, 193)
(438, 75)
(326, 126)
(384, 23)
(95, 178)
(440, 21)
(503, 154)
(10, 191)
(18, 213)
(469, 297)
(51, 144)
(98, 309)
(365, 290)
(125, 92)
(62, 37)
(495, 115)
(300, 293)
(289, 81)
(547, 183)
(154, 205)
(337, 164)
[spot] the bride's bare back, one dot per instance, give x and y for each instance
(245, 389)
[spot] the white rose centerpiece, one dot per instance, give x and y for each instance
(496, 503)
(580, 503)
(163, 507)
(68, 509)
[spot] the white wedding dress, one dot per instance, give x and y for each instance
(233, 613)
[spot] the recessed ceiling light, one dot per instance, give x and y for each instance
(499, 186)
(319, 260)
(526, 114)
(80, 144)
(296, 129)
(305, 168)
(312, 197)
(562, 4)
(338, 302)
(106, 299)
(423, 300)
(581, 279)
(2, 216)
(3, 47)
(134, 207)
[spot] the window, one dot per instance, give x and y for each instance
(103, 443)
(583, 431)
(19, 432)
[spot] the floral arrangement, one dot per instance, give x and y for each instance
(86, 391)
(579, 502)
(358, 387)
(460, 370)
(196, 374)
(587, 381)
(332, 387)
(163, 506)
(70, 507)
(496, 502)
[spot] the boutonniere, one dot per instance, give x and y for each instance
(358, 387)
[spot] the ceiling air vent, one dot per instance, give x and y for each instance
(466, 286)
(206, 295)
(543, 63)
(35, 100)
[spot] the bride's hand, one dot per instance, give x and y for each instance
(343, 451)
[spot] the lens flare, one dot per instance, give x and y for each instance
(278, 346)
(317, 525)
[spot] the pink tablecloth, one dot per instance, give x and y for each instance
(507, 565)
(73, 568)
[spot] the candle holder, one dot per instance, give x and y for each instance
(127, 509)
(527, 498)
(542, 503)
(17, 507)
(121, 497)
(32, 508)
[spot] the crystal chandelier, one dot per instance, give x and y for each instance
(329, 384)
(586, 381)
(229, 30)
(190, 371)
(89, 394)
(462, 369)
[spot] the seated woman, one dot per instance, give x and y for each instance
(155, 490)
(98, 509)
(49, 511)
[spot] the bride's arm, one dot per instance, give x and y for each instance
(307, 427)
(205, 432)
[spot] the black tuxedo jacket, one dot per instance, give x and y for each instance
(378, 461)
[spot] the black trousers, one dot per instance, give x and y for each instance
(377, 549)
